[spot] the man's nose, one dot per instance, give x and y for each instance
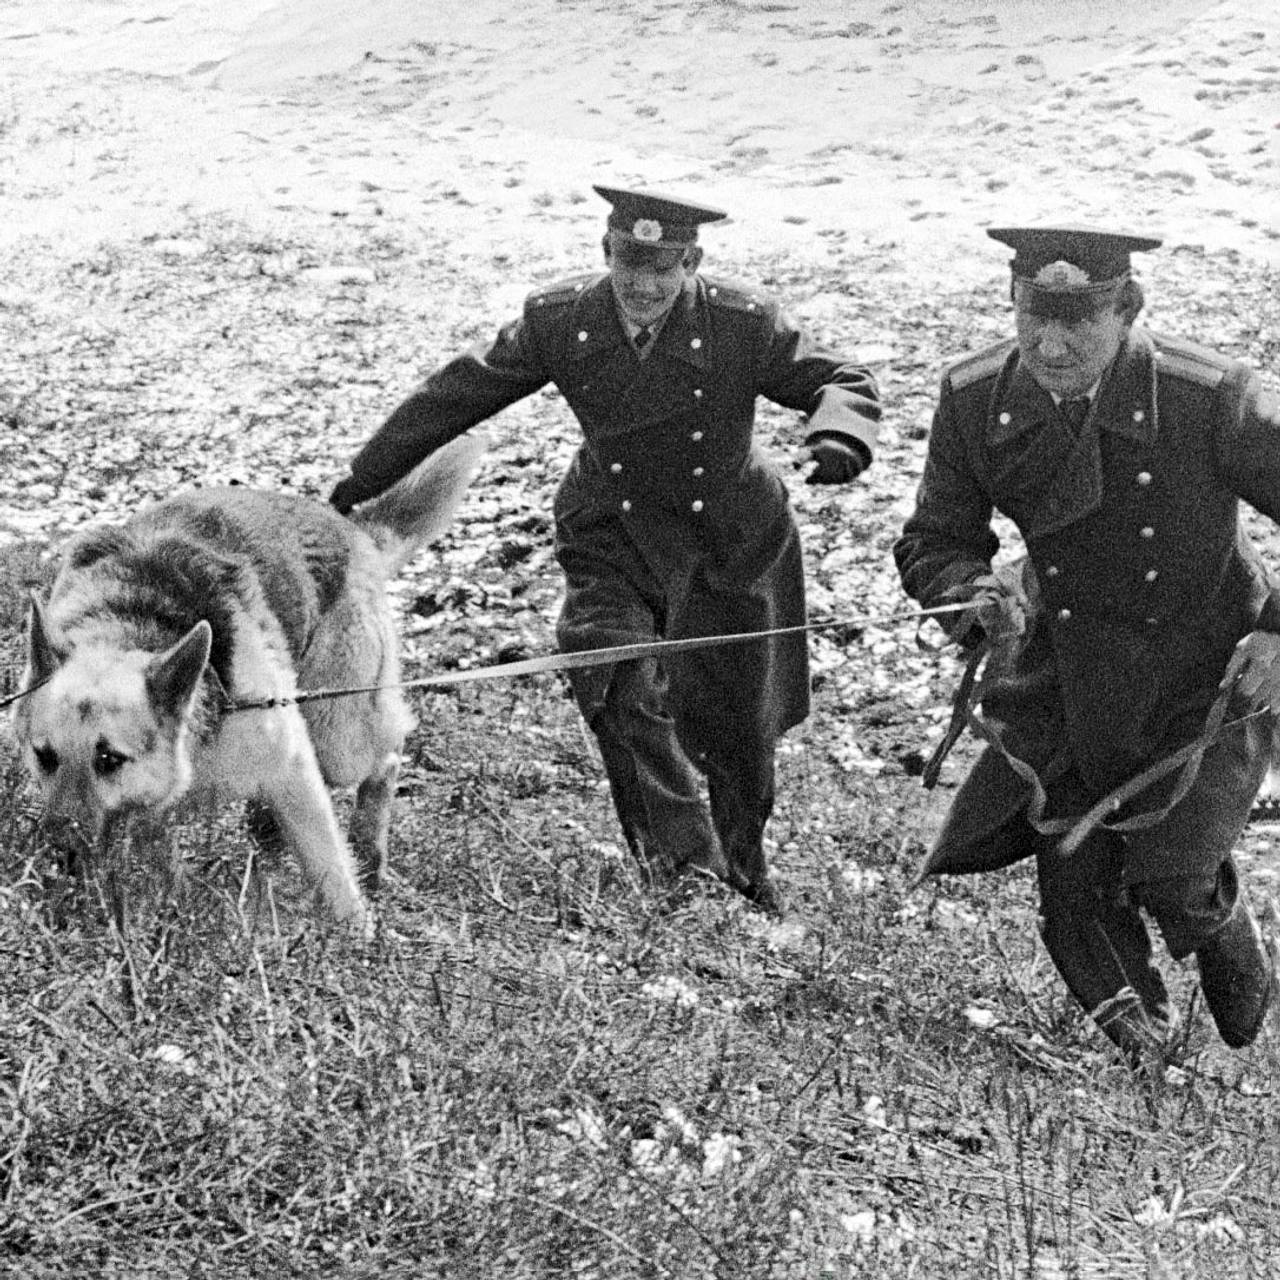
(1053, 342)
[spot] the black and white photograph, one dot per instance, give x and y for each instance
(639, 640)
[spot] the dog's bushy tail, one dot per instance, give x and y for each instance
(419, 508)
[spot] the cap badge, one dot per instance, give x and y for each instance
(647, 231)
(1062, 275)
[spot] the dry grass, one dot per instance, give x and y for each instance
(535, 1071)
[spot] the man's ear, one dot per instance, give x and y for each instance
(692, 259)
(1130, 302)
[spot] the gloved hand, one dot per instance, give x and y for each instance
(1255, 669)
(997, 611)
(345, 495)
(837, 462)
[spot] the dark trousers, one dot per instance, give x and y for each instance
(656, 766)
(1095, 934)
(1179, 870)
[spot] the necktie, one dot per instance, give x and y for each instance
(1075, 412)
(643, 338)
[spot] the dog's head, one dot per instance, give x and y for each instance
(104, 728)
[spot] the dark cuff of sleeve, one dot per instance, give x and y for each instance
(860, 447)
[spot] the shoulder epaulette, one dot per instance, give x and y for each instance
(1177, 358)
(986, 363)
(735, 297)
(562, 292)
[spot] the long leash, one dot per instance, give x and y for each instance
(560, 661)
(969, 693)
(576, 660)
(22, 693)
(1185, 761)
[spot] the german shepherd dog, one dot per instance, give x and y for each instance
(155, 629)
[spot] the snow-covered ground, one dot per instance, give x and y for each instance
(915, 122)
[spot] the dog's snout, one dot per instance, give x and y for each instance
(72, 820)
(69, 832)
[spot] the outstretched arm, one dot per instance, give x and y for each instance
(840, 397)
(467, 390)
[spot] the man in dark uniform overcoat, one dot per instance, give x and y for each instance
(669, 522)
(1121, 457)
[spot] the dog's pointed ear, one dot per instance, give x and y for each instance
(42, 657)
(172, 676)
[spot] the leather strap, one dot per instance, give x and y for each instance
(1075, 830)
(961, 712)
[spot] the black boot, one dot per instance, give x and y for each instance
(1109, 972)
(1098, 941)
(1238, 978)
(741, 787)
(657, 791)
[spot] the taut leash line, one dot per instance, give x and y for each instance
(588, 658)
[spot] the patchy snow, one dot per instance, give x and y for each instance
(913, 122)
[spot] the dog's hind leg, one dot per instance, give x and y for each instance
(371, 820)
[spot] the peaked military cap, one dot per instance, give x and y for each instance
(655, 220)
(1071, 259)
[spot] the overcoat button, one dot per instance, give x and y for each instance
(697, 505)
(695, 343)
(695, 435)
(626, 504)
(1148, 531)
(1151, 575)
(1052, 571)
(697, 393)
(713, 291)
(1064, 615)
(615, 467)
(1005, 419)
(697, 471)
(1139, 416)
(1144, 477)
(582, 335)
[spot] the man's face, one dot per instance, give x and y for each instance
(647, 281)
(1067, 354)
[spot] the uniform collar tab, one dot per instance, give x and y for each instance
(1124, 402)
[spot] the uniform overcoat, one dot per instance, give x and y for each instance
(1132, 527)
(668, 509)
